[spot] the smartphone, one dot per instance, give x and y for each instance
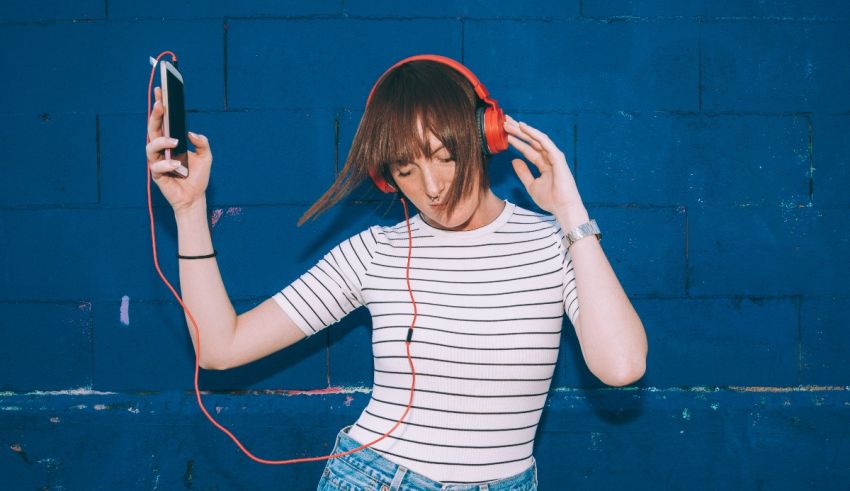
(174, 117)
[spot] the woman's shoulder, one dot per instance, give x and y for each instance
(388, 233)
(528, 216)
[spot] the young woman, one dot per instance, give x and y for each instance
(470, 293)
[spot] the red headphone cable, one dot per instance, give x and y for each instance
(198, 334)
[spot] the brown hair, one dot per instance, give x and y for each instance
(422, 92)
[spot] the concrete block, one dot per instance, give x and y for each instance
(324, 63)
(588, 66)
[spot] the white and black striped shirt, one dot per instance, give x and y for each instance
(490, 304)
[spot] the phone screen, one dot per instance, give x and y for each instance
(176, 113)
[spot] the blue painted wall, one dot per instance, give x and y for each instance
(709, 139)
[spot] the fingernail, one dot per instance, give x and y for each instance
(173, 140)
(192, 134)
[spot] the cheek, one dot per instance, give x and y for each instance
(412, 194)
(407, 188)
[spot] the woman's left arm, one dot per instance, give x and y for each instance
(612, 338)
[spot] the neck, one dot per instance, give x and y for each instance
(489, 209)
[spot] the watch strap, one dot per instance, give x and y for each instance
(585, 229)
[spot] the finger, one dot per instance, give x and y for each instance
(155, 121)
(512, 127)
(161, 168)
(513, 121)
(530, 139)
(547, 144)
(202, 144)
(154, 149)
(523, 173)
(531, 154)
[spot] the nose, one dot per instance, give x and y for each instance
(434, 184)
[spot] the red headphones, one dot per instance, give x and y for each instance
(490, 120)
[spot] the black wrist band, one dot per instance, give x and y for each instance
(197, 257)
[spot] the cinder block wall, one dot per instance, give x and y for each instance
(708, 139)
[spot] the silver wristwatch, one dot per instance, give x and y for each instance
(583, 230)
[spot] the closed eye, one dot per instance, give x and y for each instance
(404, 174)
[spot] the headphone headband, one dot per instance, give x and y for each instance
(479, 88)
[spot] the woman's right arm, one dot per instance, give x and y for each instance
(227, 340)
(202, 288)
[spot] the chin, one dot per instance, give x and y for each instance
(455, 222)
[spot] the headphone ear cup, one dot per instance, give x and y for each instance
(381, 183)
(389, 188)
(494, 130)
(481, 130)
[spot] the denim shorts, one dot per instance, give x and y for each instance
(367, 470)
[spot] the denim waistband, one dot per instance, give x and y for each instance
(384, 470)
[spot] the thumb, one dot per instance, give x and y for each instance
(521, 169)
(202, 145)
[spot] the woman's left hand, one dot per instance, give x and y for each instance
(555, 189)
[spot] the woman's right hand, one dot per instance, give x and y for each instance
(181, 192)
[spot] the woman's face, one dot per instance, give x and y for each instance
(426, 183)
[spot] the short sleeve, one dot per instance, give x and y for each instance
(570, 296)
(331, 289)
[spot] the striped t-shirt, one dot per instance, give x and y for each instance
(490, 304)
